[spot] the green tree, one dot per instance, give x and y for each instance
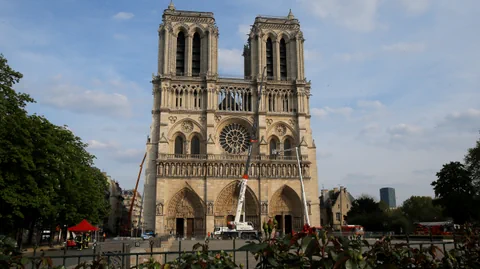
(454, 191)
(366, 211)
(47, 176)
(421, 209)
(472, 163)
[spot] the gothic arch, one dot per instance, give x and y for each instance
(273, 36)
(197, 28)
(285, 36)
(281, 129)
(174, 142)
(186, 204)
(178, 127)
(181, 27)
(226, 204)
(246, 122)
(285, 201)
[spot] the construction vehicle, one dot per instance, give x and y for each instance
(237, 228)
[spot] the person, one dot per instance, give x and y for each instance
(78, 242)
(104, 236)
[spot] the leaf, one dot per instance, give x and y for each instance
(253, 247)
(273, 262)
(305, 242)
(350, 264)
(340, 262)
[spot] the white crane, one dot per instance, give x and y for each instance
(237, 227)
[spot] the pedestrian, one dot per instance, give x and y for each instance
(104, 236)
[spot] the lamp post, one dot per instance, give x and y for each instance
(305, 209)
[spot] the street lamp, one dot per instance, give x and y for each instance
(305, 210)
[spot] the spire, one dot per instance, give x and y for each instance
(290, 15)
(171, 6)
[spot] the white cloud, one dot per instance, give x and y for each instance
(353, 57)
(416, 6)
(244, 31)
(97, 145)
(323, 112)
(230, 62)
(312, 55)
(123, 16)
(357, 15)
(129, 155)
(370, 104)
(66, 96)
(405, 47)
(402, 130)
(466, 121)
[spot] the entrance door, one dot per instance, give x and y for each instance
(189, 228)
(279, 220)
(288, 224)
(179, 227)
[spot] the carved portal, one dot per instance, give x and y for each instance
(285, 201)
(186, 204)
(226, 204)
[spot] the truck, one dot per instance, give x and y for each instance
(237, 228)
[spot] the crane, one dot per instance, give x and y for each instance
(236, 227)
(135, 194)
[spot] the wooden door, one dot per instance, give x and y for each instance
(189, 228)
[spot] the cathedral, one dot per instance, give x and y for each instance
(202, 123)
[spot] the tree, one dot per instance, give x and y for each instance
(472, 163)
(47, 176)
(366, 211)
(454, 191)
(421, 209)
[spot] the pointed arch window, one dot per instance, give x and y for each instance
(283, 59)
(179, 145)
(273, 148)
(196, 51)
(195, 145)
(269, 58)
(287, 144)
(180, 65)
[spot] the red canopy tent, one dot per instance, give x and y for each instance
(83, 226)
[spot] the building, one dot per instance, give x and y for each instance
(201, 125)
(112, 224)
(333, 205)
(387, 195)
(137, 217)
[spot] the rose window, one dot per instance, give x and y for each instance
(234, 138)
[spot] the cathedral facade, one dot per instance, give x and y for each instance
(201, 126)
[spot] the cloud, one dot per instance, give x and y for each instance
(323, 112)
(416, 6)
(353, 57)
(323, 154)
(244, 31)
(312, 55)
(66, 96)
(356, 15)
(123, 16)
(97, 145)
(129, 155)
(466, 121)
(403, 130)
(359, 177)
(404, 47)
(370, 104)
(230, 61)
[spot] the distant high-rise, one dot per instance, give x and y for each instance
(388, 196)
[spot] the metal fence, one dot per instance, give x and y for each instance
(124, 258)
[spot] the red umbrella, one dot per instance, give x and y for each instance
(83, 226)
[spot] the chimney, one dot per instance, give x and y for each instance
(335, 190)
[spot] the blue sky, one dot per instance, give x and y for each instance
(395, 83)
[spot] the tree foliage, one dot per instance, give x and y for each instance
(46, 175)
(421, 209)
(455, 192)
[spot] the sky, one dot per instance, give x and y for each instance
(395, 83)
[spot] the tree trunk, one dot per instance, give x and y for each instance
(20, 238)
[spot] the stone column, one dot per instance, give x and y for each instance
(188, 57)
(209, 53)
(166, 49)
(276, 59)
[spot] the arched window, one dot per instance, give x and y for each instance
(273, 147)
(269, 59)
(283, 59)
(179, 145)
(180, 54)
(195, 145)
(196, 50)
(287, 144)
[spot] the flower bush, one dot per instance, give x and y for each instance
(308, 248)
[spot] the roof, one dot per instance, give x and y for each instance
(331, 198)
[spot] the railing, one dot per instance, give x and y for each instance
(228, 157)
